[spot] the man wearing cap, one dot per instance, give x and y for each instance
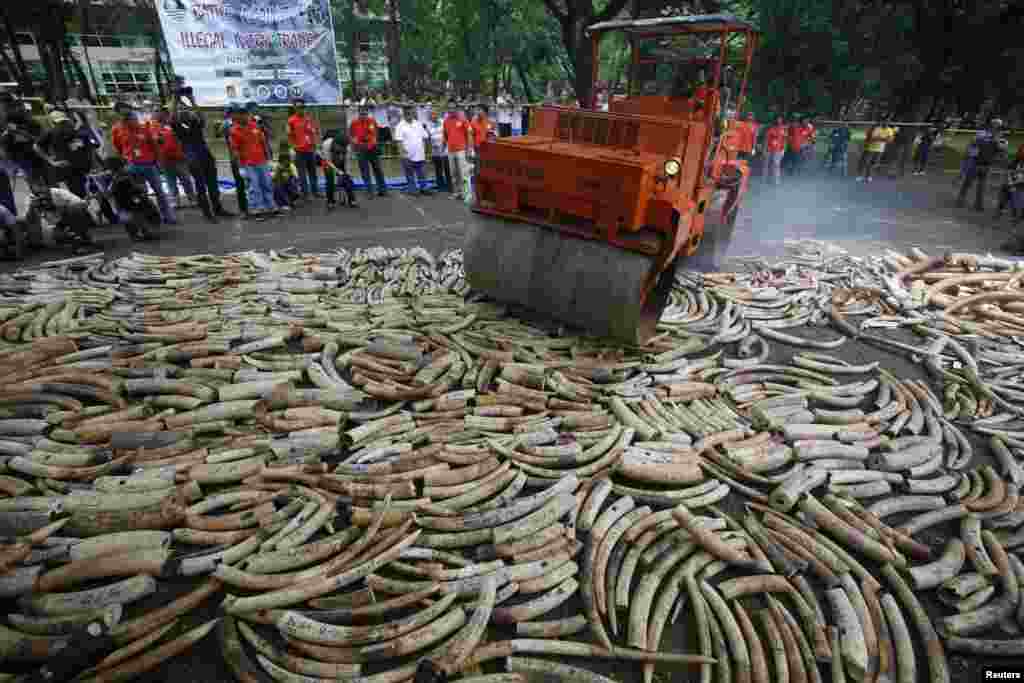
(189, 127)
(413, 137)
(363, 134)
(137, 144)
(69, 150)
(303, 134)
(992, 149)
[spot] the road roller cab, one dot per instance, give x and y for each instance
(592, 210)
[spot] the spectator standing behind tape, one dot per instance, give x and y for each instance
(775, 148)
(249, 143)
(874, 146)
(189, 126)
(413, 139)
(456, 140)
(801, 144)
(839, 150)
(438, 154)
(504, 115)
(929, 138)
(1011, 193)
(171, 158)
(363, 133)
(303, 134)
(241, 192)
(747, 130)
(991, 148)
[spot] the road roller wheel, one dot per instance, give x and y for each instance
(585, 283)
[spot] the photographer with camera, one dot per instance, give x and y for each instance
(70, 150)
(189, 126)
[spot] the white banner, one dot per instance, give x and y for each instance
(267, 51)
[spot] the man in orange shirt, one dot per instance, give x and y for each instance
(482, 130)
(136, 143)
(249, 144)
(481, 127)
(775, 148)
(362, 133)
(748, 137)
(303, 134)
(456, 139)
(801, 144)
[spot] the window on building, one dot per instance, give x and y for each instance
(24, 38)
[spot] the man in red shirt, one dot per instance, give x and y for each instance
(171, 158)
(456, 139)
(303, 134)
(249, 144)
(362, 134)
(801, 144)
(748, 136)
(136, 143)
(775, 148)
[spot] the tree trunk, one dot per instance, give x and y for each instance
(394, 45)
(9, 64)
(94, 92)
(527, 90)
(583, 64)
(26, 86)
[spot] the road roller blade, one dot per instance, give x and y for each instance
(586, 283)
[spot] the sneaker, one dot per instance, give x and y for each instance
(382, 193)
(224, 213)
(425, 192)
(868, 179)
(284, 209)
(860, 179)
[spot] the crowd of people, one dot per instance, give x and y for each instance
(165, 154)
(788, 149)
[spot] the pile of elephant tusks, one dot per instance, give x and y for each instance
(361, 470)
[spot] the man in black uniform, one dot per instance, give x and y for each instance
(70, 150)
(189, 126)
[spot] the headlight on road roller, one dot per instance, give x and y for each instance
(672, 167)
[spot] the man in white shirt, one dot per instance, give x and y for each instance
(412, 138)
(504, 115)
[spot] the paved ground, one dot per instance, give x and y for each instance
(896, 214)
